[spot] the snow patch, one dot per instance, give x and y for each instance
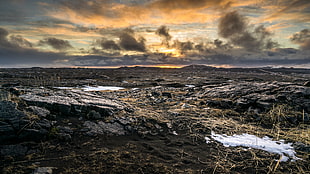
(92, 88)
(252, 141)
(190, 86)
(101, 88)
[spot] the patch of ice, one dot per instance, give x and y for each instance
(190, 86)
(101, 88)
(63, 87)
(265, 143)
(134, 89)
(174, 133)
(208, 140)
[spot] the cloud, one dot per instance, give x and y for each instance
(183, 46)
(129, 42)
(190, 4)
(221, 45)
(163, 32)
(236, 29)
(232, 24)
(117, 14)
(294, 10)
(302, 38)
(3, 38)
(55, 43)
(107, 44)
(14, 41)
(15, 50)
(20, 41)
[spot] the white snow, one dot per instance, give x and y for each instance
(66, 88)
(252, 141)
(92, 88)
(190, 86)
(101, 88)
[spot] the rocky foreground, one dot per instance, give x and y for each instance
(157, 124)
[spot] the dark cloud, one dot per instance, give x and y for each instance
(236, 29)
(20, 41)
(221, 45)
(14, 41)
(163, 32)
(15, 50)
(232, 24)
(302, 38)
(55, 43)
(107, 44)
(3, 38)
(183, 46)
(129, 42)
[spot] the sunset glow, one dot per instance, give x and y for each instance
(170, 52)
(113, 33)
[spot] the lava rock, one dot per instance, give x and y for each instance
(13, 150)
(41, 112)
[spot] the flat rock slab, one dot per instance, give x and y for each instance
(263, 95)
(71, 102)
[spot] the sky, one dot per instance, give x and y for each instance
(113, 33)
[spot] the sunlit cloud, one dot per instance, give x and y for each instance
(150, 32)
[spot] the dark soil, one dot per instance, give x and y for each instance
(163, 152)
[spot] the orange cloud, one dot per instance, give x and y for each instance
(115, 15)
(286, 10)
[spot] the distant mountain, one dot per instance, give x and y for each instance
(198, 67)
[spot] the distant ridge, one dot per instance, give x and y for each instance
(198, 67)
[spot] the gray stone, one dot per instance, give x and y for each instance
(45, 124)
(104, 128)
(93, 115)
(64, 129)
(41, 112)
(71, 102)
(43, 170)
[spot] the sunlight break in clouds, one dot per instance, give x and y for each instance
(150, 32)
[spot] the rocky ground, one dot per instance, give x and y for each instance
(157, 124)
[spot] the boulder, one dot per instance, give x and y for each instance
(10, 118)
